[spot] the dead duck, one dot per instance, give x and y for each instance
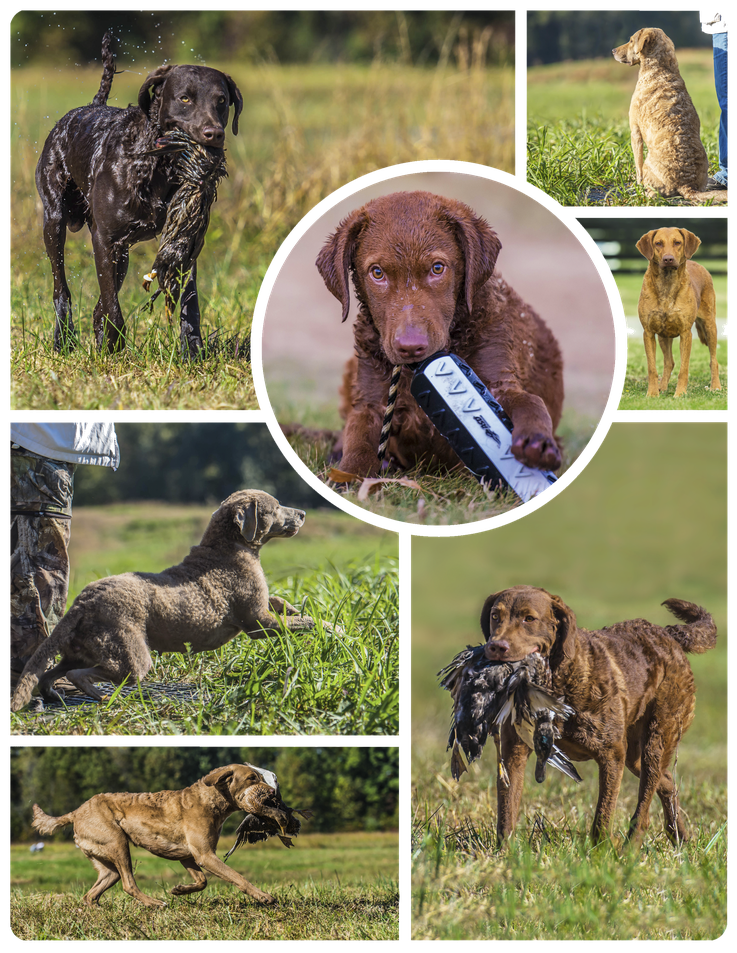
(486, 694)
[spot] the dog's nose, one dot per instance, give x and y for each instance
(213, 135)
(496, 650)
(411, 343)
(668, 260)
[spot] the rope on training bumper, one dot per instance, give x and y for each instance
(389, 412)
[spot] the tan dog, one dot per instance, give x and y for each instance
(676, 294)
(630, 687)
(663, 118)
(178, 825)
(216, 592)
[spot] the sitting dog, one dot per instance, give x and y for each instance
(630, 688)
(112, 170)
(663, 118)
(216, 592)
(178, 825)
(676, 294)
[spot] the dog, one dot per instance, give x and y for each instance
(216, 592)
(630, 687)
(111, 169)
(423, 270)
(676, 293)
(663, 118)
(178, 825)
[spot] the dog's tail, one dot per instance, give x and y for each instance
(36, 664)
(108, 71)
(699, 634)
(718, 197)
(45, 824)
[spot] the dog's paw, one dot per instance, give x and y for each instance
(536, 450)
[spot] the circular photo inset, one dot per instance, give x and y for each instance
(438, 347)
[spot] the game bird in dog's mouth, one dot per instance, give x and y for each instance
(267, 814)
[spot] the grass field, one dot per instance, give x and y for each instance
(342, 572)
(578, 140)
(305, 131)
(645, 521)
(329, 887)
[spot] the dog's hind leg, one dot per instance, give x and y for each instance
(107, 875)
(54, 231)
(196, 872)
(706, 328)
(112, 264)
(668, 794)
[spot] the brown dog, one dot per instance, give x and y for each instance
(422, 267)
(178, 825)
(216, 592)
(630, 687)
(663, 118)
(676, 293)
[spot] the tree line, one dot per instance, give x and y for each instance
(349, 789)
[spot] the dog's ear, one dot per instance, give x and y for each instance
(565, 642)
(691, 242)
(645, 41)
(246, 519)
(235, 100)
(645, 245)
(480, 246)
(336, 257)
(218, 776)
(151, 82)
(486, 614)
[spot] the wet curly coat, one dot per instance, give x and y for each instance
(423, 270)
(630, 686)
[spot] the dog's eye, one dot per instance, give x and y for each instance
(437, 268)
(185, 99)
(377, 272)
(529, 618)
(494, 616)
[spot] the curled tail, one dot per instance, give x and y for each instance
(699, 634)
(45, 824)
(108, 71)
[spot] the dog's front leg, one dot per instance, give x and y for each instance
(361, 436)
(514, 755)
(637, 149)
(648, 339)
(611, 768)
(533, 442)
(209, 861)
(682, 384)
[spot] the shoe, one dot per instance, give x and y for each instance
(714, 185)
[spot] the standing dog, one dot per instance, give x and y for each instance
(110, 169)
(663, 118)
(178, 825)
(676, 293)
(630, 687)
(216, 592)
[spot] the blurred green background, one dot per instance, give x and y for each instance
(646, 520)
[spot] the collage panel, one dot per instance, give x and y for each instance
(672, 277)
(547, 636)
(208, 826)
(274, 614)
(628, 107)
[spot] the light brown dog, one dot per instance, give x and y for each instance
(663, 118)
(630, 687)
(216, 592)
(423, 270)
(178, 825)
(676, 294)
